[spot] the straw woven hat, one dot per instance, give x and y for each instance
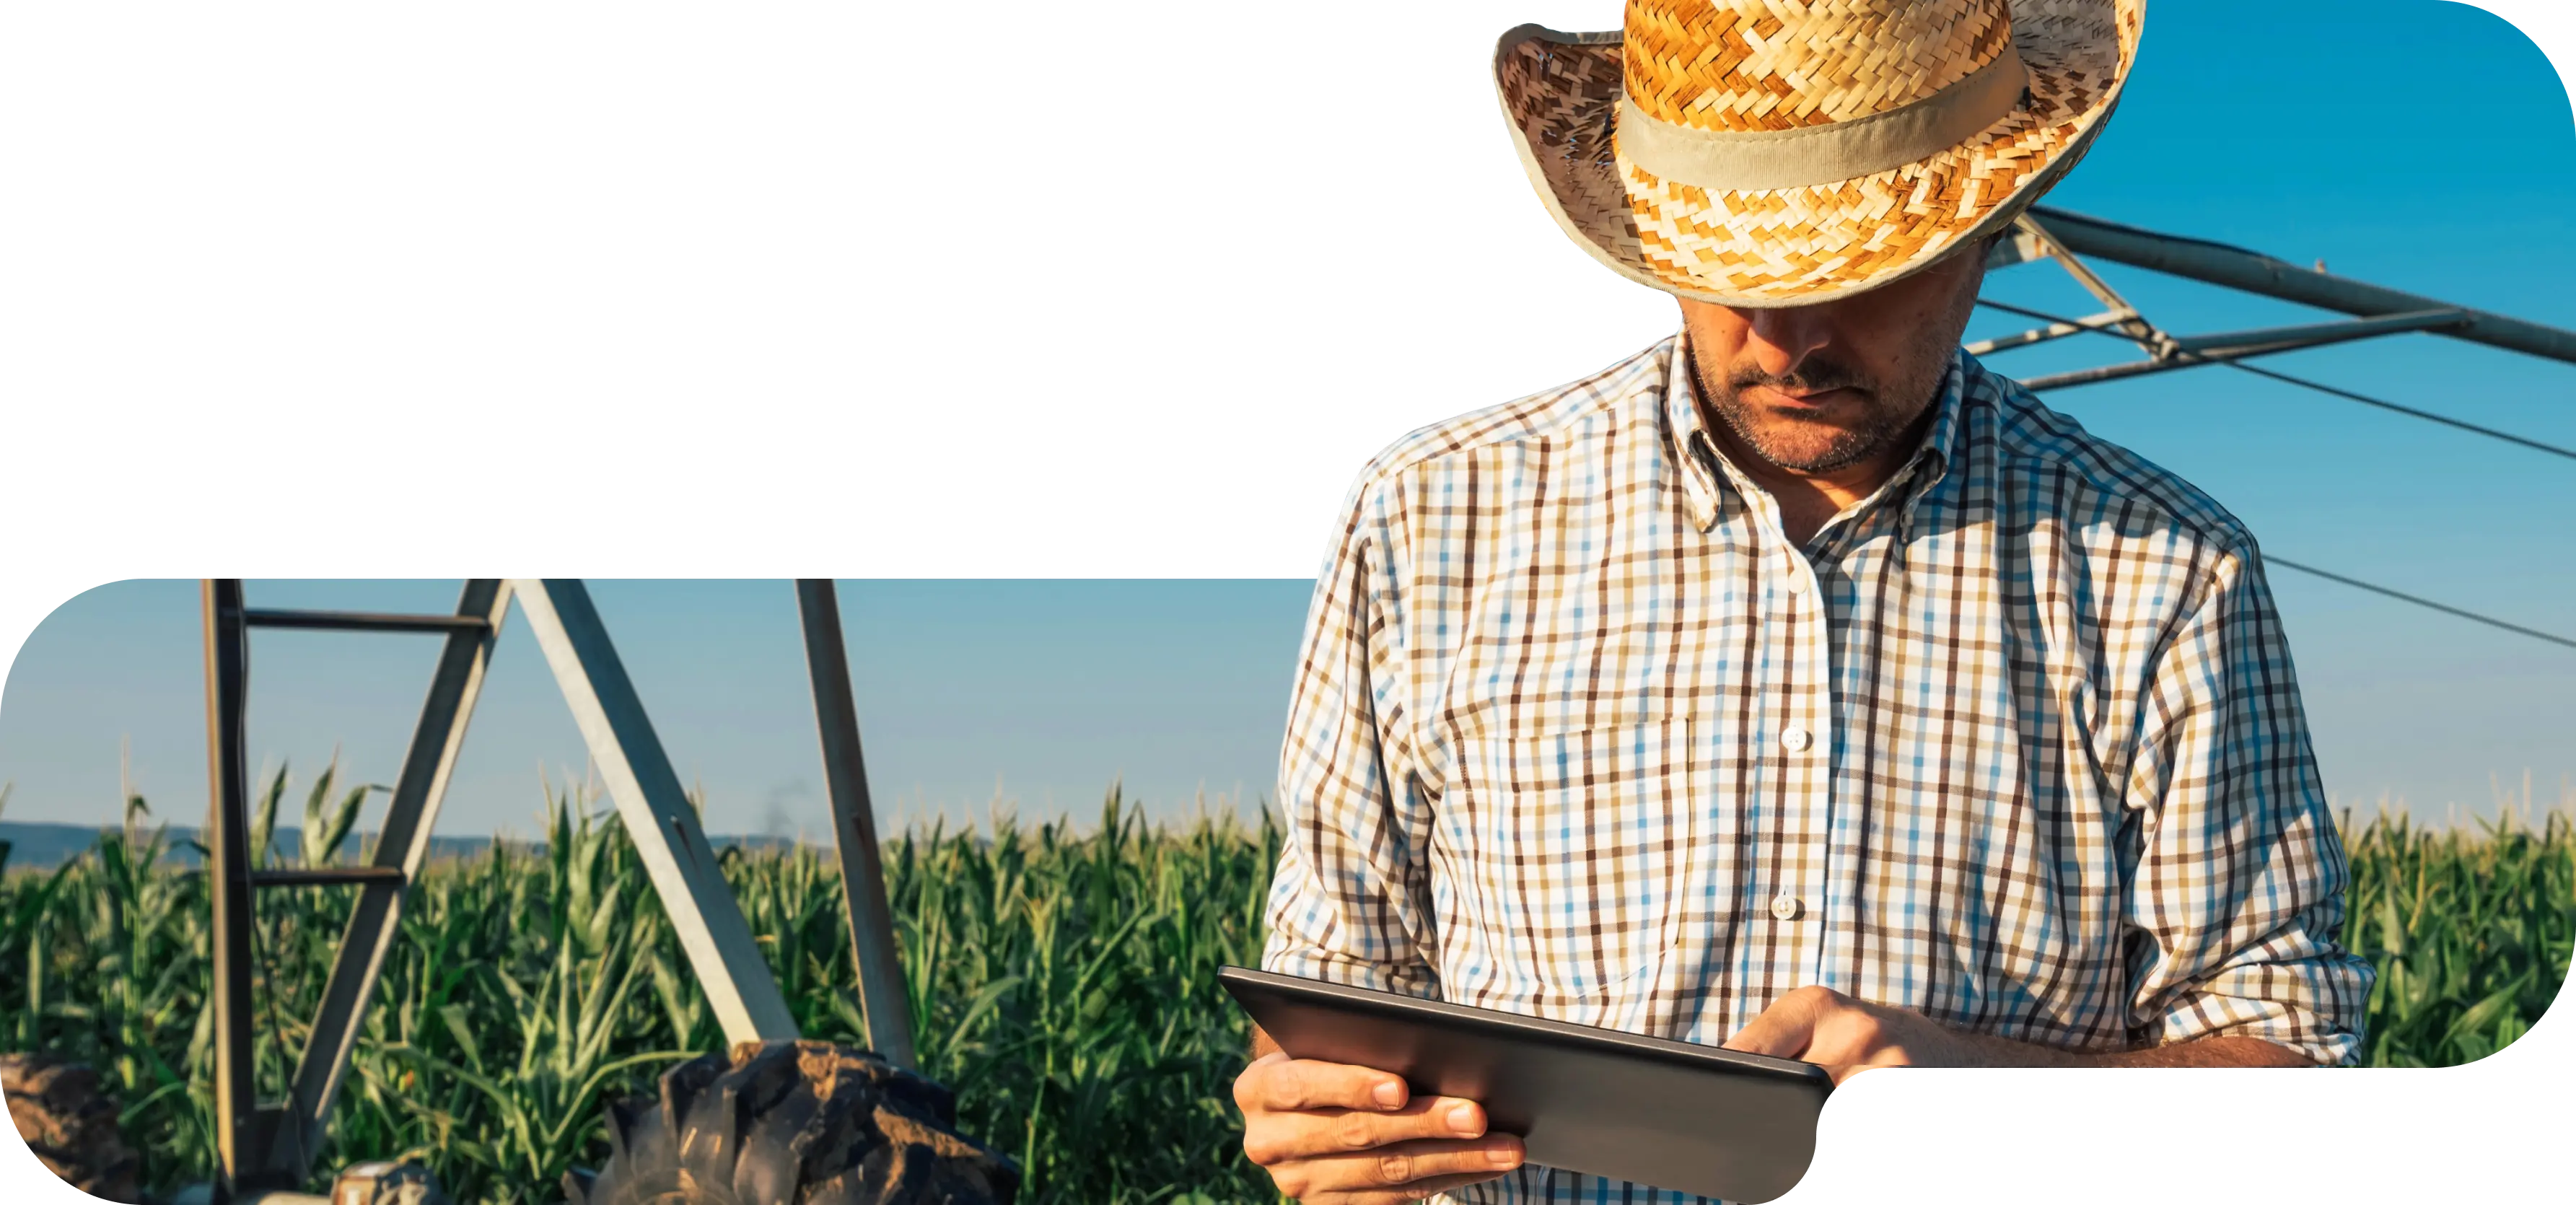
(1785, 152)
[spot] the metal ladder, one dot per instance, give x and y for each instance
(273, 1147)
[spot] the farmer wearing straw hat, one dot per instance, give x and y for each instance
(1796, 684)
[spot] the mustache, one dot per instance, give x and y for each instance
(1815, 374)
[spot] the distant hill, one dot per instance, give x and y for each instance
(45, 846)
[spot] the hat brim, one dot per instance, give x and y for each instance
(1801, 246)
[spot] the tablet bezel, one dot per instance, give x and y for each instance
(1263, 995)
(1321, 991)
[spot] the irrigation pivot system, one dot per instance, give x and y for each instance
(2064, 237)
(267, 1149)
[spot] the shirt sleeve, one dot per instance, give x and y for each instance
(2236, 901)
(1350, 901)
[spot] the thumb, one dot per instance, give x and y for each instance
(1784, 1030)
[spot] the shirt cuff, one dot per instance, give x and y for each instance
(2209, 1015)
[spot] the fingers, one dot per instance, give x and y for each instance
(1274, 1138)
(1333, 1134)
(1358, 1107)
(1407, 1171)
(1275, 1083)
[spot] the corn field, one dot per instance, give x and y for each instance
(1062, 984)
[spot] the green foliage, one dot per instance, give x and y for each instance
(2471, 932)
(1062, 984)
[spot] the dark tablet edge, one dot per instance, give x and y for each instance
(1494, 1020)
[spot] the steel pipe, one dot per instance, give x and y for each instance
(330, 876)
(364, 621)
(2253, 272)
(228, 862)
(2318, 334)
(883, 1002)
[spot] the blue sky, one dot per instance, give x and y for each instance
(2305, 130)
(2291, 128)
(1050, 690)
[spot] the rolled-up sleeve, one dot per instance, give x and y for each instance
(1350, 900)
(2236, 902)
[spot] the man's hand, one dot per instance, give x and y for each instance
(1332, 1134)
(1853, 1036)
(1848, 1036)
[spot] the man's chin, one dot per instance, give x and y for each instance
(1803, 456)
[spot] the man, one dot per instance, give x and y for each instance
(1796, 685)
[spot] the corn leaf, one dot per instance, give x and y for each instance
(2481, 1018)
(263, 823)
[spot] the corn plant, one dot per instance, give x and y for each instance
(1062, 982)
(516, 1051)
(2471, 932)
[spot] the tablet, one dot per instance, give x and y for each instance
(1675, 1115)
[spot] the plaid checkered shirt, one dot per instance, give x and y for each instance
(2014, 742)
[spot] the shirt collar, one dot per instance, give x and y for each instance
(1691, 444)
(1707, 478)
(1932, 461)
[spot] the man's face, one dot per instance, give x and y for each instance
(1822, 387)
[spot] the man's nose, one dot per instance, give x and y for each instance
(1781, 339)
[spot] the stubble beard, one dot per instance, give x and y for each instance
(1803, 446)
(1891, 412)
(1812, 447)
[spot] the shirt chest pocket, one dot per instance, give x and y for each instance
(1567, 866)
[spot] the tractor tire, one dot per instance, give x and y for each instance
(69, 1119)
(793, 1123)
(387, 1183)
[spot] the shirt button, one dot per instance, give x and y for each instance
(1795, 739)
(1785, 906)
(1797, 584)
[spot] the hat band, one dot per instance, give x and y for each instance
(1756, 160)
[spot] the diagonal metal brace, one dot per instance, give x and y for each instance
(665, 829)
(2033, 241)
(402, 847)
(2110, 323)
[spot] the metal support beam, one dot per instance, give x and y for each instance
(2023, 247)
(328, 876)
(658, 817)
(2236, 268)
(2117, 372)
(2106, 323)
(402, 847)
(2211, 349)
(2199, 350)
(2168, 364)
(361, 621)
(883, 1002)
(237, 1142)
(2135, 327)
(2268, 340)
